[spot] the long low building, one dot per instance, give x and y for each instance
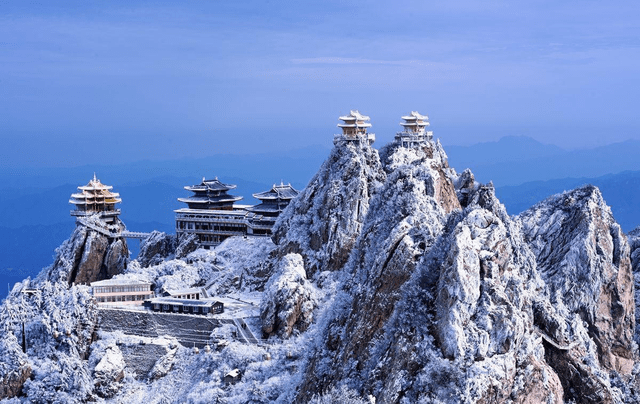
(186, 306)
(121, 292)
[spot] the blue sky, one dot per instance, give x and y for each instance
(113, 82)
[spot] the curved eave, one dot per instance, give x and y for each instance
(355, 125)
(209, 201)
(195, 188)
(95, 188)
(86, 202)
(423, 124)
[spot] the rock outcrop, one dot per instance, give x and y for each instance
(288, 299)
(156, 248)
(90, 255)
(583, 257)
(447, 298)
(108, 372)
(324, 220)
(634, 249)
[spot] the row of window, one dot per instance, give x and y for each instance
(129, 298)
(185, 309)
(211, 226)
(192, 296)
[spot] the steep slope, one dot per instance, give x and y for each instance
(440, 304)
(323, 221)
(89, 255)
(634, 253)
(583, 257)
(440, 307)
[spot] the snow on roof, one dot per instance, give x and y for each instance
(210, 199)
(233, 373)
(414, 115)
(210, 185)
(119, 282)
(278, 192)
(185, 291)
(207, 302)
(355, 115)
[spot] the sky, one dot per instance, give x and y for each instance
(115, 82)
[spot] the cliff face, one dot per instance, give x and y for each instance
(583, 257)
(323, 221)
(634, 253)
(89, 255)
(447, 298)
(437, 301)
(391, 277)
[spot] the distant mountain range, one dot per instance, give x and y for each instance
(620, 191)
(516, 160)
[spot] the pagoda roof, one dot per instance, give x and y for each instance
(354, 115)
(95, 185)
(210, 199)
(206, 302)
(266, 208)
(281, 191)
(414, 115)
(95, 191)
(210, 185)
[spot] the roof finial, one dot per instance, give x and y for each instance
(94, 177)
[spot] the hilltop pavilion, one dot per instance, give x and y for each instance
(354, 128)
(414, 133)
(96, 198)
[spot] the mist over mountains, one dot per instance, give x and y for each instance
(516, 160)
(34, 213)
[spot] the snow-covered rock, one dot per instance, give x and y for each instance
(583, 257)
(392, 279)
(156, 248)
(109, 371)
(634, 249)
(89, 255)
(324, 220)
(288, 300)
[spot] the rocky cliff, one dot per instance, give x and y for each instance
(323, 221)
(91, 255)
(450, 299)
(391, 279)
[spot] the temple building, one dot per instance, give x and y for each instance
(213, 217)
(274, 201)
(211, 194)
(96, 198)
(354, 128)
(414, 133)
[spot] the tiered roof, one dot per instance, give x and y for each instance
(274, 200)
(277, 192)
(354, 120)
(210, 194)
(95, 196)
(415, 122)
